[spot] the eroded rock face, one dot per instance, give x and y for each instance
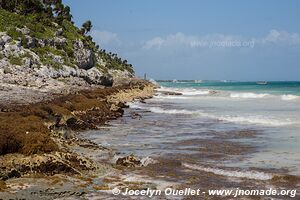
(94, 76)
(91, 76)
(85, 58)
(4, 38)
(20, 65)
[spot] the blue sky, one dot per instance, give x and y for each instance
(194, 39)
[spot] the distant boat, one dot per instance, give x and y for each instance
(175, 81)
(198, 81)
(262, 83)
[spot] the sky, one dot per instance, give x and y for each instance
(199, 39)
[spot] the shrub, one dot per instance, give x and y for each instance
(12, 32)
(15, 60)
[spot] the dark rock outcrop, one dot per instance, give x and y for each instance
(129, 161)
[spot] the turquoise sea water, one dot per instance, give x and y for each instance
(279, 87)
(272, 108)
(183, 124)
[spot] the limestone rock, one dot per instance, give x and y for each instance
(59, 41)
(85, 58)
(24, 30)
(94, 76)
(31, 42)
(4, 39)
(59, 32)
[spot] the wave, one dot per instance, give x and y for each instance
(170, 97)
(261, 120)
(257, 119)
(288, 97)
(231, 173)
(192, 92)
(186, 91)
(163, 111)
(248, 95)
(171, 111)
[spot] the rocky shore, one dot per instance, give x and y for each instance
(39, 140)
(55, 82)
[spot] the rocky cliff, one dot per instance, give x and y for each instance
(46, 54)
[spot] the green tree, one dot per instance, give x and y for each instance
(86, 27)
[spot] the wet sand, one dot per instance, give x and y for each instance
(197, 163)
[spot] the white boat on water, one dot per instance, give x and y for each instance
(175, 81)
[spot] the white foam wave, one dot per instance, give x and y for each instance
(257, 119)
(171, 111)
(190, 92)
(237, 174)
(196, 92)
(261, 120)
(248, 95)
(170, 97)
(186, 91)
(163, 111)
(288, 97)
(147, 161)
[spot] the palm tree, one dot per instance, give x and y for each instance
(67, 13)
(87, 26)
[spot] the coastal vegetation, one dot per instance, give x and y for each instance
(36, 22)
(54, 82)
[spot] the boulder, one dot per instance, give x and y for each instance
(59, 41)
(94, 76)
(67, 71)
(24, 31)
(85, 58)
(129, 161)
(14, 50)
(31, 42)
(4, 39)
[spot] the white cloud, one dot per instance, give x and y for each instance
(170, 40)
(156, 42)
(281, 37)
(221, 40)
(192, 41)
(105, 37)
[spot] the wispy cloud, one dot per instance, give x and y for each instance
(105, 37)
(281, 37)
(221, 40)
(194, 41)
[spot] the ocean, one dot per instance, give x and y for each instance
(218, 133)
(273, 108)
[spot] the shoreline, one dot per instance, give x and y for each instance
(41, 138)
(86, 169)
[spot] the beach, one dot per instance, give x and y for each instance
(163, 147)
(149, 100)
(191, 147)
(42, 156)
